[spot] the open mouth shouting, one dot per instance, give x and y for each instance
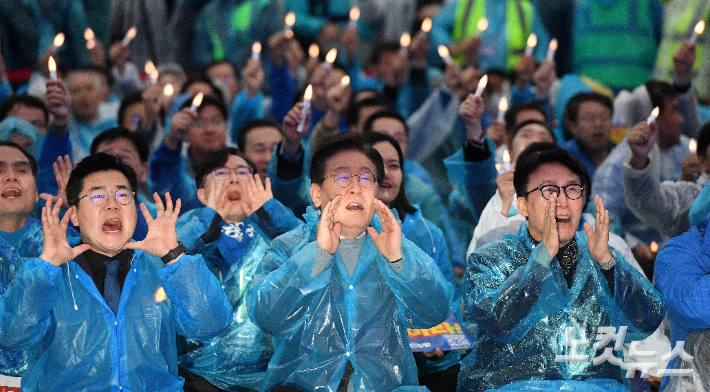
(113, 225)
(11, 193)
(563, 219)
(354, 207)
(234, 196)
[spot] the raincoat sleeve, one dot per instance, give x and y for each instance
(202, 309)
(25, 308)
(275, 219)
(505, 298)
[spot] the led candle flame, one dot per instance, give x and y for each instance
(482, 25)
(52, 65)
(256, 51)
(426, 25)
(154, 77)
(693, 146)
(91, 44)
(444, 53)
(506, 160)
(149, 67)
(306, 105)
(313, 51)
(58, 40)
(551, 50)
(345, 81)
(160, 295)
(532, 43)
(653, 116)
(130, 34)
(289, 20)
(196, 102)
(499, 167)
(168, 90)
(330, 58)
(404, 42)
(502, 108)
(354, 16)
(697, 31)
(654, 247)
(481, 85)
(90, 38)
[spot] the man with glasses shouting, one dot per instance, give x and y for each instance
(340, 291)
(534, 293)
(101, 312)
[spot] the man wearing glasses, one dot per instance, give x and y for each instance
(340, 291)
(532, 293)
(101, 312)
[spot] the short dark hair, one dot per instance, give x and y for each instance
(208, 100)
(206, 80)
(215, 160)
(96, 163)
(130, 99)
(381, 48)
(703, 139)
(572, 108)
(387, 113)
(219, 62)
(352, 116)
(253, 124)
(33, 161)
(538, 154)
(658, 91)
(400, 203)
(525, 123)
(348, 141)
(115, 133)
(24, 99)
(514, 110)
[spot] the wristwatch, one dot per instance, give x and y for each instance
(175, 252)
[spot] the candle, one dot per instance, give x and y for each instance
(426, 25)
(697, 31)
(313, 51)
(345, 81)
(168, 90)
(256, 51)
(444, 53)
(482, 25)
(330, 59)
(506, 160)
(160, 295)
(551, 50)
(90, 38)
(354, 16)
(693, 146)
(52, 65)
(499, 168)
(653, 116)
(502, 108)
(306, 105)
(130, 34)
(404, 42)
(149, 67)
(196, 102)
(532, 42)
(290, 20)
(154, 77)
(481, 85)
(58, 40)
(654, 247)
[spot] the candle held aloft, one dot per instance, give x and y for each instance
(256, 51)
(154, 77)
(693, 146)
(354, 16)
(653, 116)
(404, 42)
(506, 160)
(149, 67)
(168, 90)
(90, 38)
(502, 108)
(130, 34)
(52, 65)
(654, 246)
(532, 43)
(551, 49)
(306, 105)
(699, 27)
(313, 51)
(196, 102)
(482, 25)
(444, 53)
(481, 85)
(345, 81)
(330, 58)
(58, 40)
(426, 25)
(290, 20)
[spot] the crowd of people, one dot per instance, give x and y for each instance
(289, 188)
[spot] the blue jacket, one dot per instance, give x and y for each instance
(78, 344)
(168, 173)
(520, 300)
(321, 323)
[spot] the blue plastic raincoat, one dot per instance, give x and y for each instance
(522, 305)
(321, 323)
(237, 358)
(78, 344)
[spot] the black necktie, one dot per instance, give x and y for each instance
(112, 289)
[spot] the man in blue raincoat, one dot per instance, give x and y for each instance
(100, 312)
(340, 291)
(532, 293)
